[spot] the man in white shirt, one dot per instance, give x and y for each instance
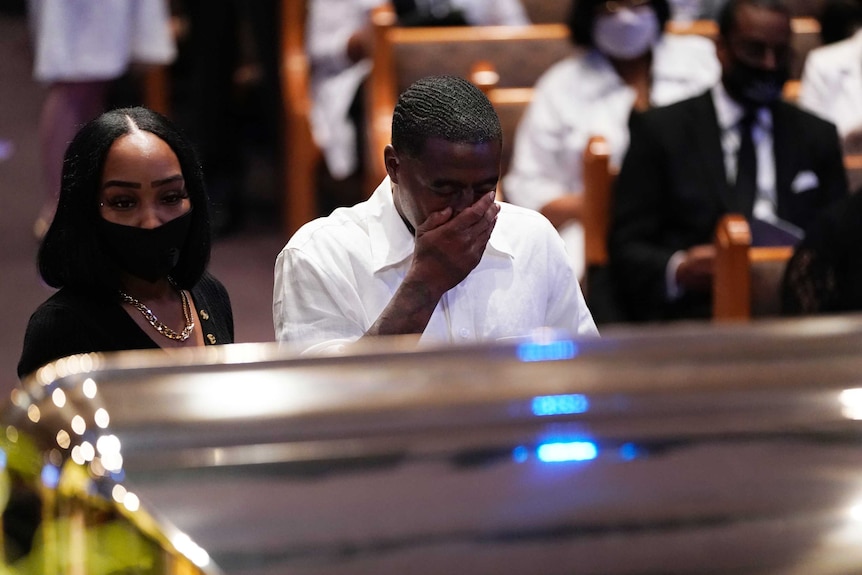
(430, 253)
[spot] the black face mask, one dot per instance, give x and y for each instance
(755, 87)
(149, 254)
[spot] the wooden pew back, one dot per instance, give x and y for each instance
(598, 186)
(747, 281)
(547, 11)
(301, 154)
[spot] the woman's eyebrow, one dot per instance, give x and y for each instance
(177, 178)
(121, 184)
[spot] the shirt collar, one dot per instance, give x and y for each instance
(729, 112)
(391, 241)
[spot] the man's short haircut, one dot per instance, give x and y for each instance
(582, 16)
(727, 15)
(445, 107)
(72, 254)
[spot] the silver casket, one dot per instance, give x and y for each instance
(683, 449)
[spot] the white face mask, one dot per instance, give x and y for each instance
(627, 33)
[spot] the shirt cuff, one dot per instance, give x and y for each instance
(672, 289)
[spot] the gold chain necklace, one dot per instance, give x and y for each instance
(158, 325)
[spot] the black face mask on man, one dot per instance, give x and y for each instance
(753, 86)
(149, 254)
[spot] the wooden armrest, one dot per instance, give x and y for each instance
(747, 279)
(598, 183)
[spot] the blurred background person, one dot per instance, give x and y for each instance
(622, 62)
(832, 87)
(80, 47)
(737, 148)
(825, 273)
(128, 247)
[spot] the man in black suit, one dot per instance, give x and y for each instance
(680, 173)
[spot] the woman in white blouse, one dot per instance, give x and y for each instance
(622, 62)
(832, 87)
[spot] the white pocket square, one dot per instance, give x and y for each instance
(804, 181)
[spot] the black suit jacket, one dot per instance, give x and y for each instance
(672, 190)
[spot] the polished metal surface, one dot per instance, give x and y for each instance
(684, 449)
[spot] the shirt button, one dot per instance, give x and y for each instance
(465, 333)
(204, 315)
(211, 338)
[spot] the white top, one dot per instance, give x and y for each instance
(89, 40)
(338, 273)
(583, 96)
(335, 80)
(832, 84)
(492, 12)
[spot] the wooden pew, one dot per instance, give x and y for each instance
(157, 89)
(547, 11)
(853, 165)
(747, 280)
(301, 154)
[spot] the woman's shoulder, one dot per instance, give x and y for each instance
(686, 49)
(686, 41)
(214, 308)
(66, 302)
(836, 56)
(570, 69)
(684, 65)
(68, 322)
(211, 289)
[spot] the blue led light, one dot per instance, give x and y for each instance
(560, 404)
(50, 476)
(568, 451)
(628, 451)
(2, 459)
(520, 454)
(550, 351)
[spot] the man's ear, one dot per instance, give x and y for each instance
(390, 160)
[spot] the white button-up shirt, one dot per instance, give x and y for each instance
(832, 84)
(337, 274)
